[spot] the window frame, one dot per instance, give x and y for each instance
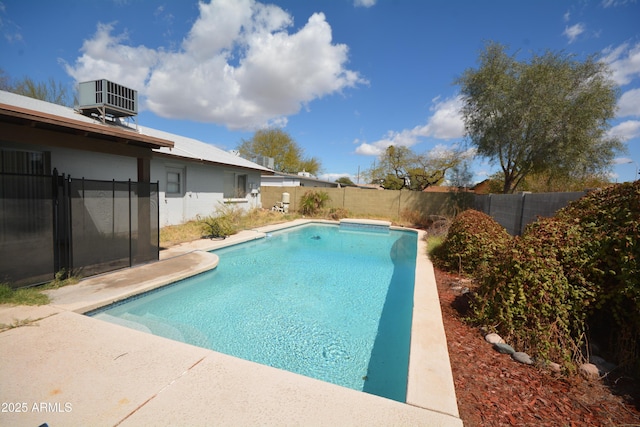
(181, 174)
(238, 194)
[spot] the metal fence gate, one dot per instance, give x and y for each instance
(53, 223)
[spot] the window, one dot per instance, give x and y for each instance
(175, 184)
(25, 162)
(241, 186)
(235, 185)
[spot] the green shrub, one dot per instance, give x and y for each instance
(528, 298)
(313, 202)
(473, 240)
(222, 224)
(571, 279)
(610, 261)
(433, 244)
(338, 213)
(216, 228)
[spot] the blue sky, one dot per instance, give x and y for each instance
(345, 78)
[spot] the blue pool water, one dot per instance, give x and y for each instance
(318, 300)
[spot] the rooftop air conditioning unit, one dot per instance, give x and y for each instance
(107, 99)
(267, 162)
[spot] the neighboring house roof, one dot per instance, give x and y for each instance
(47, 114)
(370, 186)
(482, 187)
(446, 189)
(302, 178)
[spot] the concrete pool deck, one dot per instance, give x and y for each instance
(60, 367)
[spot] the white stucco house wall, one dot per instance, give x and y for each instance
(195, 178)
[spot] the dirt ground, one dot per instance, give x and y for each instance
(494, 390)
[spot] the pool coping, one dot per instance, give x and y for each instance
(430, 393)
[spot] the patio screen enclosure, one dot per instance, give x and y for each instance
(52, 223)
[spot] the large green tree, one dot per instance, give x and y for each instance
(549, 114)
(286, 153)
(345, 181)
(399, 168)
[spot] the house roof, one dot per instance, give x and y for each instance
(192, 149)
(18, 108)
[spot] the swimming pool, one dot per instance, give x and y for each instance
(330, 304)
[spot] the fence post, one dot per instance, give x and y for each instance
(66, 188)
(56, 230)
(521, 213)
(130, 225)
(113, 208)
(157, 216)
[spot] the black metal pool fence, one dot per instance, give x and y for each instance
(53, 223)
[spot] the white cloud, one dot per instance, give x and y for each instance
(626, 130)
(442, 151)
(11, 32)
(445, 123)
(609, 3)
(364, 3)
(574, 31)
(624, 62)
(332, 177)
(105, 56)
(238, 66)
(629, 104)
(367, 149)
(621, 161)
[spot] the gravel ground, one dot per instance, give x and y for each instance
(494, 390)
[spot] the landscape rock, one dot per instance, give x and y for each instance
(554, 367)
(503, 348)
(589, 371)
(521, 357)
(493, 338)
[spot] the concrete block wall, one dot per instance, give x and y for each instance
(383, 203)
(512, 211)
(515, 211)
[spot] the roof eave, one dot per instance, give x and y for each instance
(58, 123)
(210, 162)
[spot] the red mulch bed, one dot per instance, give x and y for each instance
(494, 390)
